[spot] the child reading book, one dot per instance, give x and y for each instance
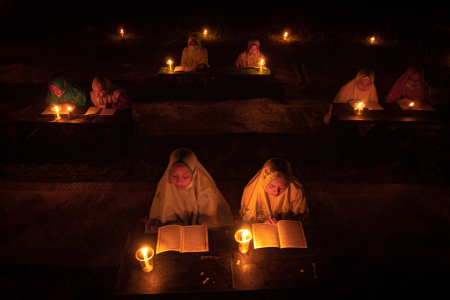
(194, 56)
(274, 194)
(250, 57)
(105, 94)
(187, 195)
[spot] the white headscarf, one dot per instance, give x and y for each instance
(257, 205)
(200, 203)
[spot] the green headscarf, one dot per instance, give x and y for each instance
(71, 92)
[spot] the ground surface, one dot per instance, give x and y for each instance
(323, 56)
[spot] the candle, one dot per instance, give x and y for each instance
(411, 106)
(170, 64)
(285, 36)
(70, 112)
(56, 110)
(359, 108)
(121, 32)
(261, 64)
(145, 257)
(243, 237)
(372, 40)
(205, 33)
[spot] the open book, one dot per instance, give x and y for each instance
(404, 104)
(62, 110)
(192, 238)
(184, 69)
(371, 105)
(286, 234)
(103, 111)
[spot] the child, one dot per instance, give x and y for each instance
(251, 57)
(360, 88)
(105, 94)
(187, 195)
(61, 92)
(274, 194)
(194, 55)
(410, 86)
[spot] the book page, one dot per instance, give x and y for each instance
(373, 105)
(62, 110)
(94, 110)
(179, 68)
(108, 112)
(265, 235)
(195, 239)
(169, 238)
(404, 104)
(291, 234)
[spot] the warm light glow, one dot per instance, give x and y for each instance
(169, 62)
(144, 252)
(145, 261)
(261, 64)
(243, 237)
(56, 109)
(121, 32)
(360, 106)
(205, 32)
(372, 40)
(69, 108)
(285, 35)
(411, 104)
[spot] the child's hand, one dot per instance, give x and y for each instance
(271, 221)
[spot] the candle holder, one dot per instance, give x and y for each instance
(243, 237)
(145, 258)
(56, 110)
(170, 63)
(70, 113)
(121, 32)
(205, 33)
(285, 36)
(359, 109)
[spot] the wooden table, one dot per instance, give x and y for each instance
(392, 113)
(227, 268)
(31, 120)
(217, 72)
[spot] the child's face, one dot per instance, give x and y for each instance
(180, 177)
(193, 43)
(364, 84)
(276, 187)
(55, 90)
(253, 50)
(414, 80)
(98, 91)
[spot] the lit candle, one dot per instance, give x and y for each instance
(411, 106)
(145, 257)
(56, 109)
(121, 32)
(69, 109)
(205, 33)
(261, 64)
(359, 108)
(285, 36)
(372, 40)
(243, 237)
(170, 64)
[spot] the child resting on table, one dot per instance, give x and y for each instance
(194, 55)
(105, 94)
(274, 194)
(62, 92)
(360, 88)
(251, 57)
(187, 195)
(410, 86)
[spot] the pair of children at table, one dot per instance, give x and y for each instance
(410, 86)
(194, 55)
(187, 195)
(62, 91)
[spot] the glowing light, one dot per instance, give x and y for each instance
(145, 258)
(169, 62)
(285, 35)
(205, 32)
(56, 109)
(243, 237)
(261, 64)
(359, 108)
(121, 32)
(372, 40)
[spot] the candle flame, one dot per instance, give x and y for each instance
(69, 108)
(372, 39)
(411, 104)
(285, 34)
(205, 32)
(121, 30)
(144, 251)
(360, 105)
(262, 61)
(169, 62)
(244, 235)
(56, 108)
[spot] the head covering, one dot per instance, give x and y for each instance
(192, 58)
(246, 60)
(350, 91)
(401, 88)
(111, 93)
(200, 203)
(71, 92)
(257, 205)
